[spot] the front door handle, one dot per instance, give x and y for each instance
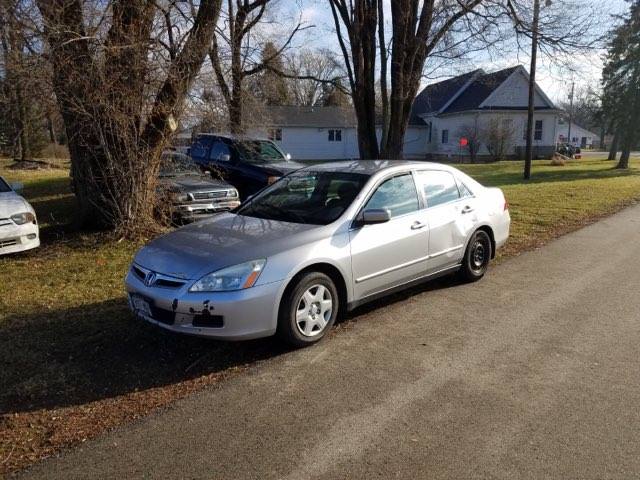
(417, 226)
(466, 209)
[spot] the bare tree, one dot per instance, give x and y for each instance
(234, 57)
(25, 94)
(498, 137)
(471, 133)
(360, 20)
(419, 30)
(118, 105)
(556, 29)
(312, 75)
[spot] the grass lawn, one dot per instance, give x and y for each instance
(75, 363)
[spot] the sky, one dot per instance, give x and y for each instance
(554, 75)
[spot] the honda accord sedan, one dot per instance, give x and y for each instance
(316, 243)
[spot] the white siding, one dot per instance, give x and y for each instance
(514, 92)
(455, 123)
(577, 135)
(312, 143)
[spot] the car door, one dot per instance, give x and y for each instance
(451, 217)
(220, 162)
(389, 254)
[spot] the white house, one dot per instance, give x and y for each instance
(328, 133)
(471, 104)
(580, 137)
(442, 114)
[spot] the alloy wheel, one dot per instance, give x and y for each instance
(314, 310)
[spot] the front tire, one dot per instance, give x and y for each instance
(308, 310)
(476, 257)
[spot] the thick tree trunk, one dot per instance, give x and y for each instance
(623, 163)
(114, 151)
(613, 151)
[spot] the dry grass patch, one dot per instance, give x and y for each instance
(75, 363)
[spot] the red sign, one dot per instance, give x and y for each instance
(464, 142)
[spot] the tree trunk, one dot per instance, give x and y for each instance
(613, 151)
(384, 91)
(623, 163)
(115, 153)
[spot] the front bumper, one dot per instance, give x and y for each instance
(239, 315)
(195, 211)
(18, 238)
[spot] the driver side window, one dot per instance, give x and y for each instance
(218, 150)
(397, 194)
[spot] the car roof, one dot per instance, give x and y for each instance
(228, 136)
(371, 167)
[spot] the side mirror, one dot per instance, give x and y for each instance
(225, 157)
(17, 187)
(288, 156)
(375, 216)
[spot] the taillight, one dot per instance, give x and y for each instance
(506, 205)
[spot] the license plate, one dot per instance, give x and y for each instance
(140, 305)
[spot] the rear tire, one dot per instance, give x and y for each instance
(476, 257)
(308, 310)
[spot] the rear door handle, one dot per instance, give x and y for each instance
(417, 226)
(466, 209)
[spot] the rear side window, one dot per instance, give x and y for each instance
(398, 195)
(218, 150)
(439, 187)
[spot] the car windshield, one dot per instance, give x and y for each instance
(4, 186)
(318, 198)
(174, 164)
(259, 151)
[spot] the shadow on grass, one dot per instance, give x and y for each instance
(560, 174)
(71, 357)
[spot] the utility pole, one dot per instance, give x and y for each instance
(532, 87)
(573, 84)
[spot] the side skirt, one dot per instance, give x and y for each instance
(403, 286)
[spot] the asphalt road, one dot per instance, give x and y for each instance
(532, 373)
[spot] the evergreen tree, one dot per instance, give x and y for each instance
(621, 82)
(274, 86)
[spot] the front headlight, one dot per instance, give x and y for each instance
(228, 279)
(22, 218)
(181, 197)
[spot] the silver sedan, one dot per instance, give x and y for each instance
(316, 243)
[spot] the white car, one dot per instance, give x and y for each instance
(18, 224)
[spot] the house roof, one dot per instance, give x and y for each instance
(464, 92)
(435, 96)
(483, 85)
(319, 117)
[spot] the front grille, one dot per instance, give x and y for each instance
(210, 195)
(5, 221)
(8, 243)
(138, 273)
(166, 283)
(156, 279)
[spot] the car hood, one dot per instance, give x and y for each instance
(12, 203)
(194, 183)
(222, 241)
(281, 168)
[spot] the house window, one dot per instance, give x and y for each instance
(335, 135)
(445, 136)
(275, 134)
(537, 133)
